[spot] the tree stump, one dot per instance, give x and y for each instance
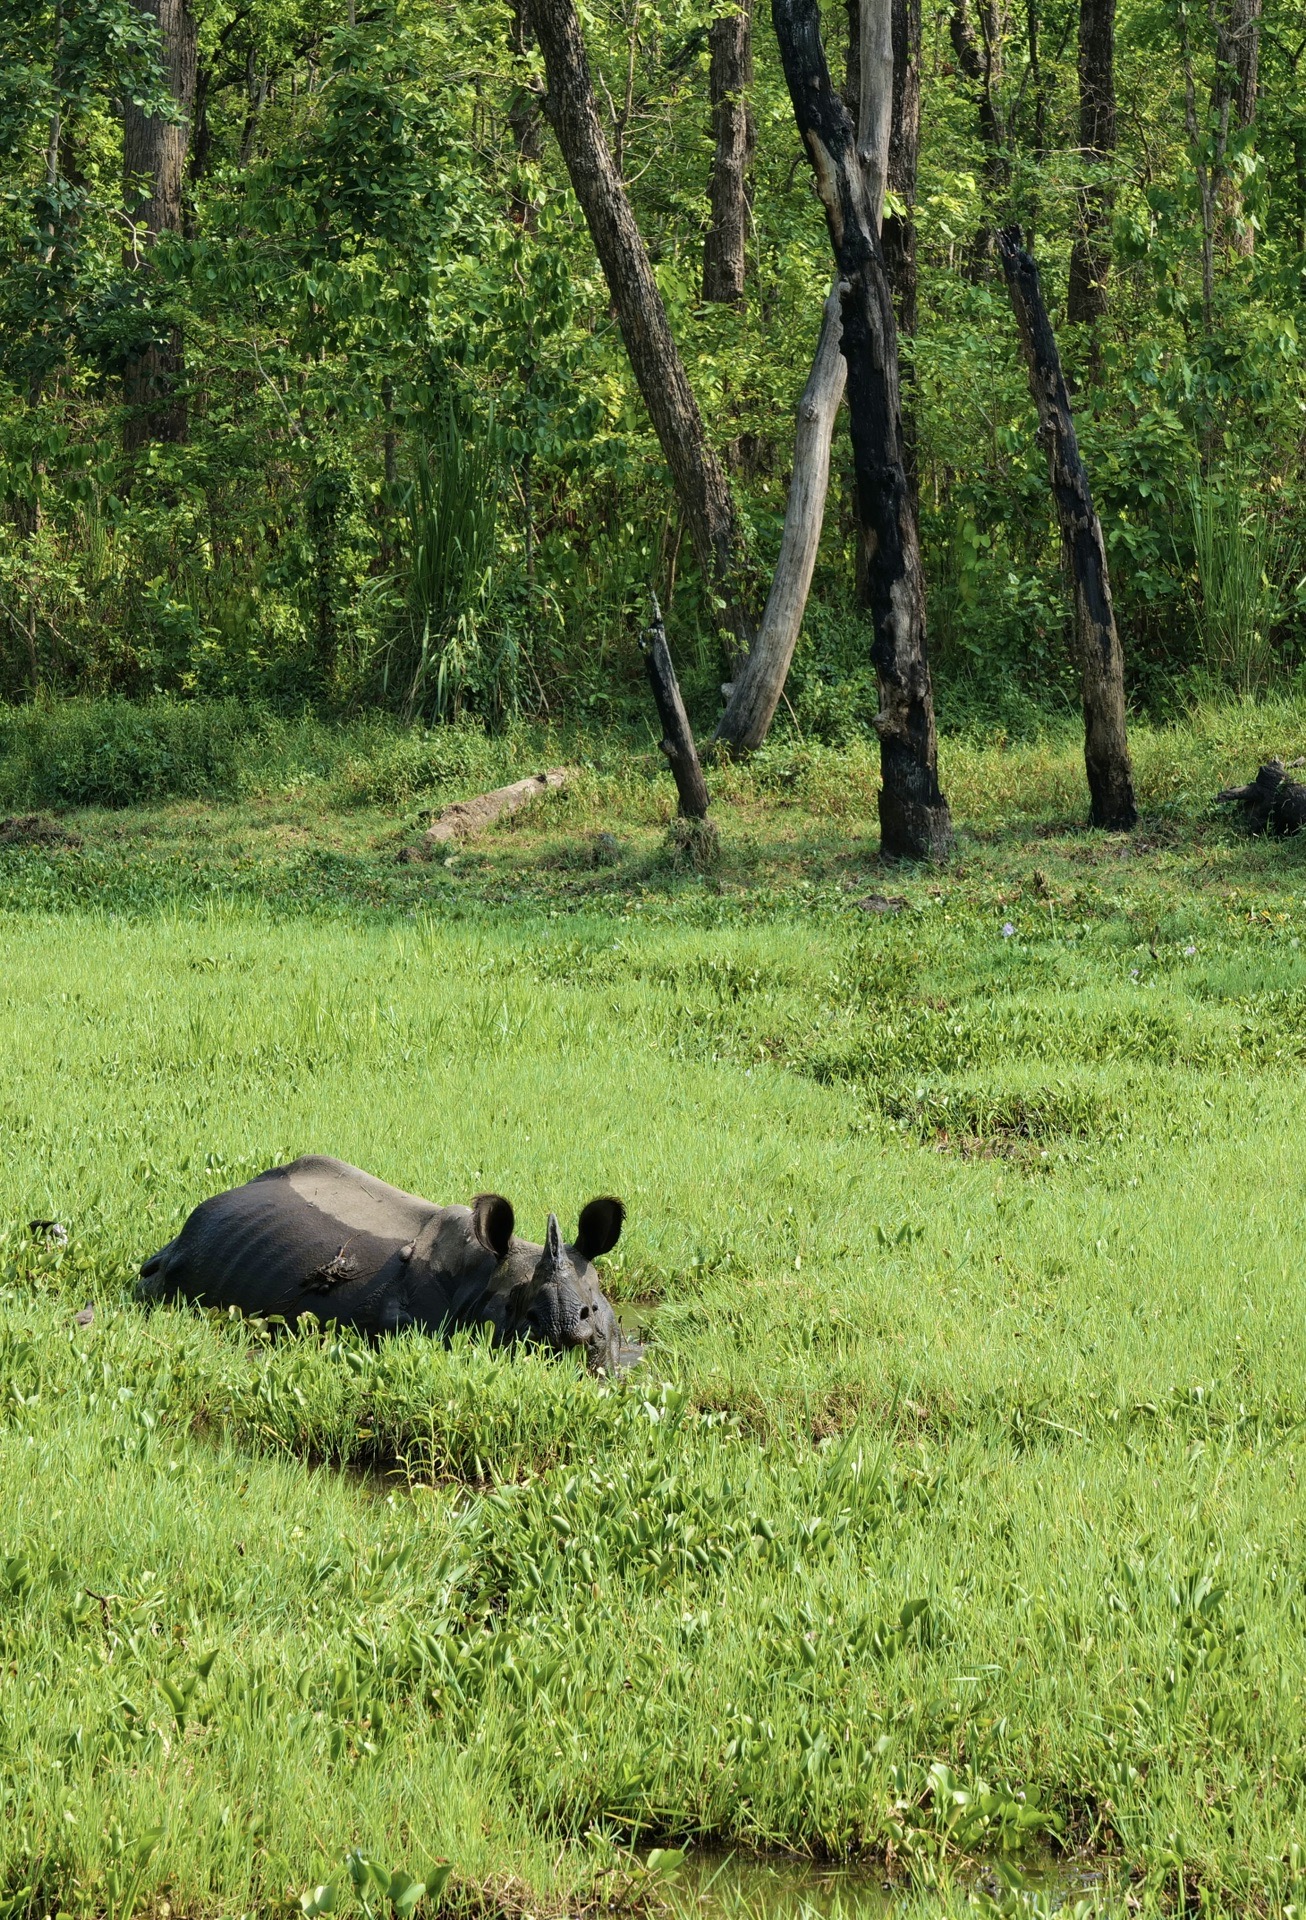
(1272, 803)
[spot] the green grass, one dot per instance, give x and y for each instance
(954, 1515)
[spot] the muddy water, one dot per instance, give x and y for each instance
(723, 1885)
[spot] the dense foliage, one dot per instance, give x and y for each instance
(416, 471)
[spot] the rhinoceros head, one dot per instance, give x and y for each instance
(556, 1298)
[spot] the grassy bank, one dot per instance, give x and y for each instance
(954, 1513)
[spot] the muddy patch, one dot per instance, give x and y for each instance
(35, 830)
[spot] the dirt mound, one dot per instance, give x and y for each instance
(34, 830)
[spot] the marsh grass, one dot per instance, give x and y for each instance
(953, 1516)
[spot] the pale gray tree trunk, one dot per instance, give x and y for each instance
(755, 694)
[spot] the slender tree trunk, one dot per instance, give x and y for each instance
(154, 167)
(725, 250)
(914, 820)
(677, 741)
(699, 479)
(526, 120)
(759, 683)
(897, 225)
(980, 60)
(1090, 255)
(256, 93)
(1038, 83)
(1209, 172)
(1240, 33)
(1097, 644)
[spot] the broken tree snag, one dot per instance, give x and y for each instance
(466, 817)
(1097, 644)
(677, 741)
(914, 819)
(759, 683)
(1272, 803)
(699, 479)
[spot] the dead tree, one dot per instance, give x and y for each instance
(700, 482)
(1272, 803)
(755, 694)
(154, 173)
(730, 75)
(914, 819)
(1097, 644)
(1090, 253)
(677, 741)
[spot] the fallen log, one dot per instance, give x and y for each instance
(467, 817)
(1272, 803)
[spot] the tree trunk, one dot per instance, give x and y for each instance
(914, 820)
(1090, 255)
(154, 169)
(677, 741)
(1097, 644)
(759, 683)
(1208, 157)
(898, 228)
(527, 124)
(1239, 43)
(1038, 84)
(729, 78)
(699, 479)
(979, 59)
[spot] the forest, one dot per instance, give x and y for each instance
(312, 385)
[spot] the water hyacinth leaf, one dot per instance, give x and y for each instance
(146, 1847)
(404, 1893)
(318, 1900)
(436, 1878)
(664, 1862)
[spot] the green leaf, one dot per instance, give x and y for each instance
(665, 1861)
(437, 1875)
(318, 1900)
(405, 1892)
(146, 1847)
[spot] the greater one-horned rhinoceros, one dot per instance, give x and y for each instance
(325, 1238)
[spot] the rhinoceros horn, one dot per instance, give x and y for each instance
(552, 1260)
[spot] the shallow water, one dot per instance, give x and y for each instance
(723, 1885)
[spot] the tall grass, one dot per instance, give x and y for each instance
(451, 652)
(1247, 559)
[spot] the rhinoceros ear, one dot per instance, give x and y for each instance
(492, 1222)
(600, 1227)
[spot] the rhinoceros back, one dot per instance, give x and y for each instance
(317, 1236)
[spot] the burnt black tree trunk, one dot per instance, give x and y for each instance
(154, 172)
(1090, 255)
(700, 482)
(677, 741)
(730, 75)
(1097, 644)
(914, 819)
